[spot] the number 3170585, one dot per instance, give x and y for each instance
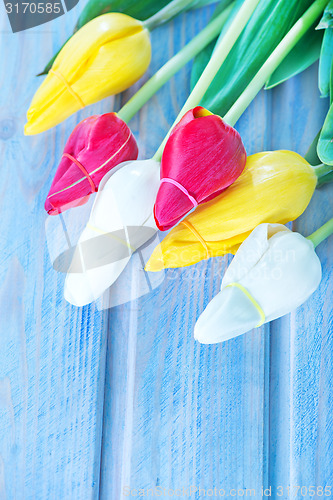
(33, 8)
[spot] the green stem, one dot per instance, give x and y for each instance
(325, 179)
(195, 46)
(322, 233)
(168, 12)
(219, 55)
(324, 174)
(322, 170)
(277, 56)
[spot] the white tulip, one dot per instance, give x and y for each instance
(121, 221)
(273, 272)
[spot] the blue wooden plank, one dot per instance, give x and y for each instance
(177, 413)
(52, 356)
(180, 414)
(301, 422)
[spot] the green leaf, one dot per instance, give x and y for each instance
(327, 19)
(325, 63)
(200, 62)
(311, 155)
(202, 59)
(305, 53)
(270, 22)
(326, 179)
(331, 82)
(139, 9)
(325, 143)
(202, 3)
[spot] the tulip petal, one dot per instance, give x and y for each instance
(202, 157)
(276, 187)
(84, 287)
(251, 251)
(125, 201)
(273, 272)
(96, 146)
(286, 276)
(103, 58)
(229, 314)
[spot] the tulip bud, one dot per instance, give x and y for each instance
(105, 57)
(273, 273)
(121, 221)
(202, 157)
(95, 146)
(275, 186)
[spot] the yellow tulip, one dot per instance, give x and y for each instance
(275, 187)
(105, 57)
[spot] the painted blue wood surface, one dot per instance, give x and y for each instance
(52, 355)
(301, 404)
(79, 421)
(179, 414)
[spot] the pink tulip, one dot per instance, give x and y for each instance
(95, 146)
(202, 157)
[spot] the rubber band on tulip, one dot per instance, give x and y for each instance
(96, 169)
(100, 231)
(184, 190)
(253, 300)
(67, 85)
(197, 235)
(94, 189)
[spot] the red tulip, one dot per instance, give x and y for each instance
(203, 156)
(95, 146)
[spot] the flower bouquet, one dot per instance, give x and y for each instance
(201, 185)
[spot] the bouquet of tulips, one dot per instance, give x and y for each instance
(200, 184)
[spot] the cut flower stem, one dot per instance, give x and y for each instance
(219, 56)
(166, 14)
(273, 61)
(187, 53)
(322, 233)
(324, 174)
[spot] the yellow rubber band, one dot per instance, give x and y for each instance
(100, 231)
(68, 87)
(253, 300)
(197, 235)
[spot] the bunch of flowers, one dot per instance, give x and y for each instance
(200, 183)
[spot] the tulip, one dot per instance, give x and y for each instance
(121, 221)
(275, 186)
(96, 145)
(273, 272)
(202, 157)
(105, 57)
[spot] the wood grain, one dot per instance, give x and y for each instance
(179, 414)
(301, 419)
(52, 356)
(255, 411)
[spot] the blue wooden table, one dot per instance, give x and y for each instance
(95, 403)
